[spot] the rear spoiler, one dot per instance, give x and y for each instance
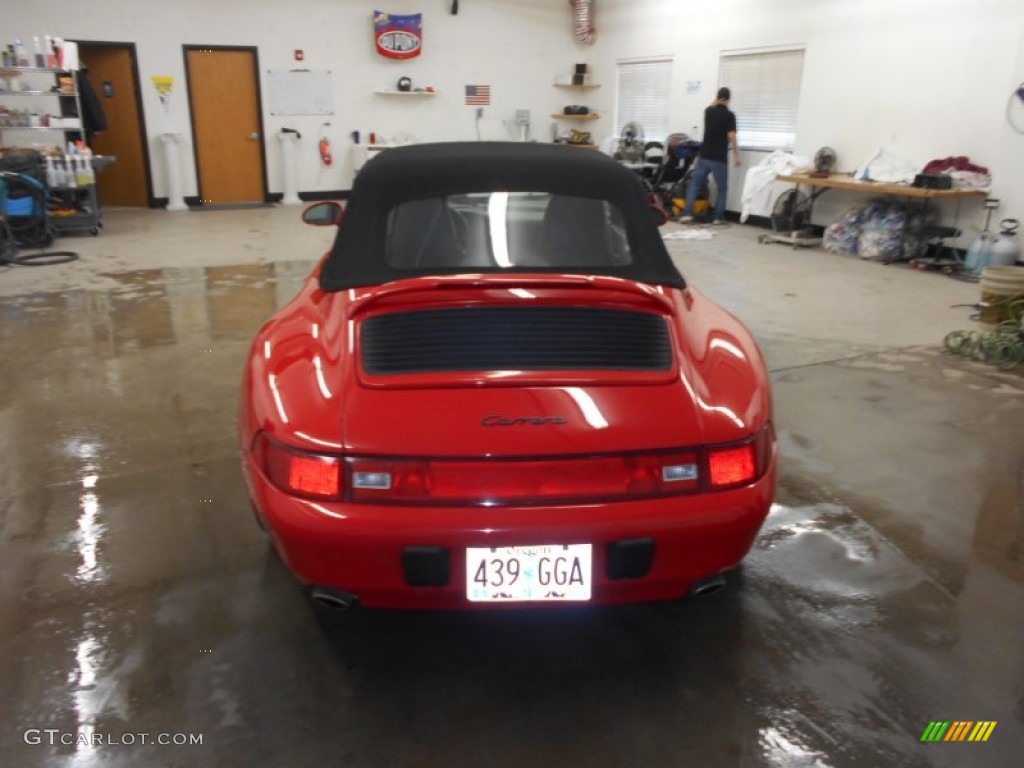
(653, 294)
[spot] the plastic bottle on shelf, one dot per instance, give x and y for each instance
(21, 54)
(72, 180)
(90, 172)
(40, 60)
(60, 176)
(81, 175)
(51, 172)
(51, 55)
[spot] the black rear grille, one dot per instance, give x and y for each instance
(515, 338)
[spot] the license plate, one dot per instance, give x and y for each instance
(539, 573)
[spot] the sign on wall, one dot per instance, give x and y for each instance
(300, 92)
(398, 36)
(164, 84)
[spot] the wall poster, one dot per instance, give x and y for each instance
(398, 36)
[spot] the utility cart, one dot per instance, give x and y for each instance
(77, 208)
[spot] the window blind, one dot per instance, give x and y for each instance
(643, 90)
(765, 88)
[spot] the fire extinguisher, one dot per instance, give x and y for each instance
(325, 151)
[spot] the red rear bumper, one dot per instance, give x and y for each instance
(359, 548)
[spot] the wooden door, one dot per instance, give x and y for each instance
(227, 124)
(114, 77)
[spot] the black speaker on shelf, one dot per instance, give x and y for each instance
(933, 181)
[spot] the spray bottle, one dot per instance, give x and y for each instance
(72, 176)
(51, 172)
(90, 172)
(81, 175)
(1005, 250)
(980, 251)
(60, 177)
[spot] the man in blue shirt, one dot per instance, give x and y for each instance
(713, 158)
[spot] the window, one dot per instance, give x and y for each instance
(502, 230)
(765, 87)
(642, 92)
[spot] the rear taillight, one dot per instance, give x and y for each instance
(516, 481)
(494, 482)
(732, 466)
(735, 465)
(300, 473)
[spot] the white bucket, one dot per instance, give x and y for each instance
(1001, 287)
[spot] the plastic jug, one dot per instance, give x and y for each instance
(1005, 250)
(979, 254)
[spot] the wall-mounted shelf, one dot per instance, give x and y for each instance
(584, 118)
(406, 93)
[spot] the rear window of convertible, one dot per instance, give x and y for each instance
(500, 230)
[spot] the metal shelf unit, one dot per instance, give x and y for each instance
(83, 200)
(9, 95)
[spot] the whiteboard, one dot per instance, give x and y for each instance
(300, 92)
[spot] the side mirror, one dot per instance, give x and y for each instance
(324, 214)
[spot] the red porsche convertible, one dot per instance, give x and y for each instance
(496, 389)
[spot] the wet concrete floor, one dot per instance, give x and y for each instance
(140, 603)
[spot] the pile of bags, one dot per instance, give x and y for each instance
(881, 230)
(843, 235)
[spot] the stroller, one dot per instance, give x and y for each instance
(667, 182)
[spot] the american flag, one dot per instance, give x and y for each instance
(478, 94)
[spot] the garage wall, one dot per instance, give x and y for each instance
(925, 78)
(515, 46)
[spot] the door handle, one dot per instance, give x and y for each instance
(255, 136)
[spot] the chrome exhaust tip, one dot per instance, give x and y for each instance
(708, 585)
(333, 599)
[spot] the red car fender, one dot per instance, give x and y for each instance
(724, 366)
(288, 386)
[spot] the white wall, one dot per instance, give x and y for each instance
(927, 78)
(515, 46)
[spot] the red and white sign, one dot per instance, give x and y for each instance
(398, 36)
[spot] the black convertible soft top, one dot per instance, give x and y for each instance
(423, 171)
